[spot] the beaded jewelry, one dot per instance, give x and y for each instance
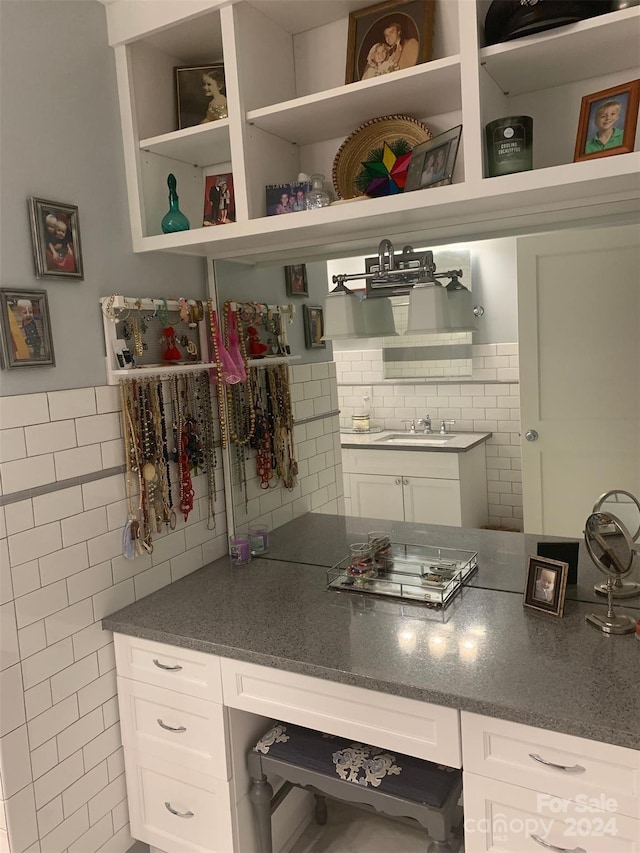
(213, 328)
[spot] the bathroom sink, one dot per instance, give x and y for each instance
(405, 438)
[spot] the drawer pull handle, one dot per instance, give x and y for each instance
(539, 840)
(176, 813)
(577, 768)
(175, 668)
(163, 725)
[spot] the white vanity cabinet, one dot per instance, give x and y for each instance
(289, 111)
(527, 788)
(428, 487)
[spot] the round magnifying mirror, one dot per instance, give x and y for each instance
(611, 549)
(626, 507)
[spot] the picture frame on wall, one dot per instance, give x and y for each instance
(388, 37)
(433, 161)
(55, 235)
(313, 316)
(219, 200)
(546, 585)
(607, 123)
(296, 280)
(201, 94)
(26, 329)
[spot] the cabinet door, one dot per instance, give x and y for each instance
(377, 496)
(430, 501)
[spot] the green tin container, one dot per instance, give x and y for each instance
(509, 145)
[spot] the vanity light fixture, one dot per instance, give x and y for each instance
(433, 306)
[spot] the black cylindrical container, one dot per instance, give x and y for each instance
(509, 145)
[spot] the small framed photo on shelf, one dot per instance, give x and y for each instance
(607, 123)
(432, 162)
(313, 316)
(219, 200)
(546, 585)
(389, 36)
(200, 94)
(26, 329)
(296, 280)
(55, 233)
(286, 198)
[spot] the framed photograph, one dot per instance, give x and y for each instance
(433, 161)
(313, 327)
(546, 585)
(219, 200)
(26, 329)
(296, 280)
(201, 94)
(55, 232)
(286, 198)
(607, 123)
(388, 37)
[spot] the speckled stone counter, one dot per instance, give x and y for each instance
(459, 442)
(483, 654)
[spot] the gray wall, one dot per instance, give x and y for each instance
(61, 140)
(267, 284)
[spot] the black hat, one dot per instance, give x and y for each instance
(511, 19)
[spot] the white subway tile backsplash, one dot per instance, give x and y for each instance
(85, 789)
(102, 492)
(9, 652)
(106, 427)
(79, 461)
(47, 725)
(106, 659)
(90, 640)
(113, 599)
(78, 735)
(44, 758)
(95, 837)
(38, 699)
(96, 693)
(40, 603)
(66, 833)
(12, 444)
(21, 821)
(23, 409)
(107, 399)
(14, 762)
(104, 547)
(89, 582)
(46, 663)
(50, 437)
(74, 678)
(107, 799)
(155, 578)
(115, 764)
(57, 505)
(61, 564)
(12, 712)
(32, 639)
(85, 525)
(102, 746)
(112, 453)
(27, 473)
(186, 563)
(76, 403)
(50, 816)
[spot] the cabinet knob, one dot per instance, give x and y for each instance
(164, 666)
(167, 728)
(177, 813)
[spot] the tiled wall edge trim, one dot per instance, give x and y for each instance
(47, 488)
(331, 414)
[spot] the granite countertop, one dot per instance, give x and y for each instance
(483, 654)
(459, 442)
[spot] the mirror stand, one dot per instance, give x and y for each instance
(611, 623)
(621, 589)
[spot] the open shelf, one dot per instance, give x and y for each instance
(591, 48)
(202, 145)
(428, 89)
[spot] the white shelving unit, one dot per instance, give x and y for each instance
(289, 111)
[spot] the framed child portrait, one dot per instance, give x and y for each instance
(26, 329)
(607, 123)
(219, 200)
(200, 94)
(433, 161)
(296, 280)
(546, 585)
(55, 233)
(389, 36)
(313, 316)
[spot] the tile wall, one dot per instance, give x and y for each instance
(488, 403)
(62, 782)
(317, 441)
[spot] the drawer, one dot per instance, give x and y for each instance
(503, 818)
(391, 722)
(183, 670)
(416, 463)
(175, 810)
(501, 750)
(182, 729)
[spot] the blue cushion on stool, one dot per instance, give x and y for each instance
(401, 776)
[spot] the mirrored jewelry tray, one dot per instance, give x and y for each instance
(422, 574)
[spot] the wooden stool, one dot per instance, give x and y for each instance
(396, 785)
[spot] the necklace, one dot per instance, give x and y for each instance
(214, 332)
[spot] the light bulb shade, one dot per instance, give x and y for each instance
(428, 310)
(377, 316)
(461, 315)
(342, 317)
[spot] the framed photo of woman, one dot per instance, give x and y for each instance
(389, 37)
(55, 232)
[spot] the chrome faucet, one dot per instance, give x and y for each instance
(426, 423)
(412, 425)
(443, 426)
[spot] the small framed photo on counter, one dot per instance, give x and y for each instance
(546, 585)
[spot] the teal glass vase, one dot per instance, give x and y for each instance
(174, 219)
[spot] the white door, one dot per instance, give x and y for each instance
(579, 336)
(376, 496)
(431, 501)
